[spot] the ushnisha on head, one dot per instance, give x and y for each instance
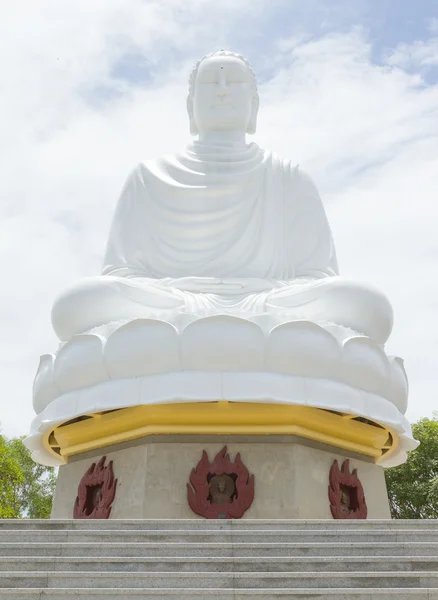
(222, 94)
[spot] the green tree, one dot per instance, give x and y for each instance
(26, 488)
(11, 478)
(413, 486)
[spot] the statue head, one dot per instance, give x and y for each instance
(222, 94)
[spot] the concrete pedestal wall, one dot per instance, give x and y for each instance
(291, 477)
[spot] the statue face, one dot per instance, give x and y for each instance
(223, 97)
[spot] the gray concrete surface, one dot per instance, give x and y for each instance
(291, 479)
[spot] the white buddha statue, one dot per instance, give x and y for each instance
(222, 227)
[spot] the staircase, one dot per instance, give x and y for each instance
(218, 560)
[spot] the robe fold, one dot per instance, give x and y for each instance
(216, 212)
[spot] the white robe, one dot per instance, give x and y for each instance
(216, 230)
(221, 213)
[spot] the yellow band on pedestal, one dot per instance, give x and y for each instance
(347, 432)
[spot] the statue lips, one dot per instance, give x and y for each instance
(222, 103)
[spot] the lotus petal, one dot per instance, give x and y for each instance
(365, 365)
(142, 347)
(44, 388)
(399, 387)
(222, 343)
(303, 348)
(80, 363)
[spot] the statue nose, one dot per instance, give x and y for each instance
(222, 89)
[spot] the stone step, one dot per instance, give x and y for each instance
(220, 549)
(214, 525)
(252, 580)
(205, 537)
(220, 594)
(195, 564)
(223, 559)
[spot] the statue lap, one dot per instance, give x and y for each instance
(100, 300)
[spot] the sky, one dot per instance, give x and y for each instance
(348, 89)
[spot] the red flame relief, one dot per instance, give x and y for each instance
(200, 493)
(346, 495)
(96, 492)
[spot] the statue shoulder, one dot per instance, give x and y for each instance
(300, 187)
(302, 180)
(134, 174)
(293, 171)
(137, 176)
(133, 187)
(141, 176)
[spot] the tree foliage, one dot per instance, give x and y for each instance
(11, 478)
(26, 488)
(413, 486)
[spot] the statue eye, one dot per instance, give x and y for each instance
(236, 76)
(208, 77)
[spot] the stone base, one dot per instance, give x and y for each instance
(291, 476)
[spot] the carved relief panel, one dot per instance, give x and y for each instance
(96, 492)
(221, 489)
(346, 494)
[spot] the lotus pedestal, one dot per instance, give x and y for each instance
(295, 400)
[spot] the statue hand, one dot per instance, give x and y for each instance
(217, 285)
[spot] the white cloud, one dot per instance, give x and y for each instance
(420, 54)
(74, 124)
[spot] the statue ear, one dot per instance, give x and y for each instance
(252, 125)
(193, 126)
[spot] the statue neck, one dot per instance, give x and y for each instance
(233, 139)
